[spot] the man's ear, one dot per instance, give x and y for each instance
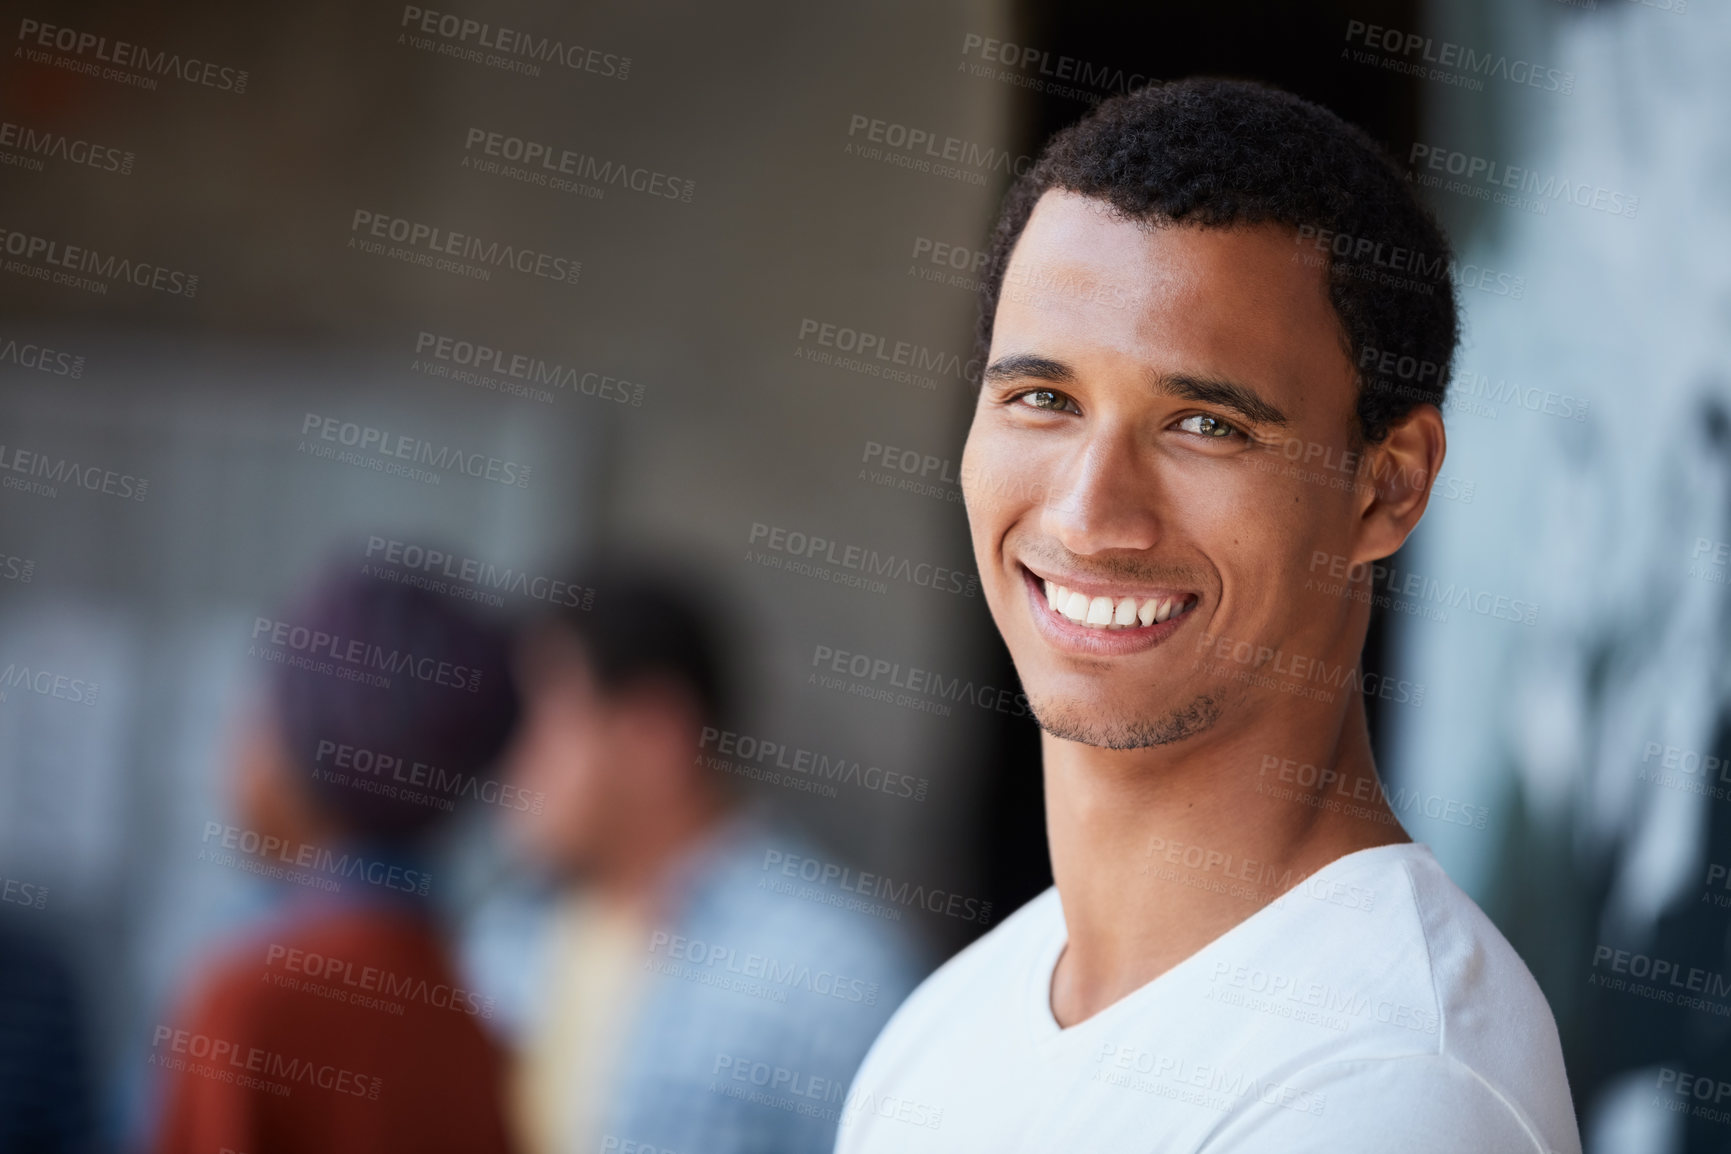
(1394, 482)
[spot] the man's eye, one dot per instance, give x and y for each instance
(1207, 426)
(1049, 399)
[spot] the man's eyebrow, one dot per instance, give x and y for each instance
(1026, 366)
(1241, 399)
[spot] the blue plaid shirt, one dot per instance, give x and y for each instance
(758, 1007)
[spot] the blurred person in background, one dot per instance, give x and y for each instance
(678, 1003)
(339, 1025)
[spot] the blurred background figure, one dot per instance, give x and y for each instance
(668, 976)
(338, 1024)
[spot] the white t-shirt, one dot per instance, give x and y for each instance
(1373, 1008)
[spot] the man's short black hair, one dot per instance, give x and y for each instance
(651, 618)
(1218, 153)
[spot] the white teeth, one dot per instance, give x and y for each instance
(1109, 612)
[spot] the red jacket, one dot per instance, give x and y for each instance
(340, 1033)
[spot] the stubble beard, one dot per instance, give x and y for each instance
(1067, 720)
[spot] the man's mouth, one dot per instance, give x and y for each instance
(1108, 611)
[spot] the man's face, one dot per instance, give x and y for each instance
(564, 752)
(1146, 395)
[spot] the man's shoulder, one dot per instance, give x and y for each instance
(1378, 955)
(1483, 987)
(1425, 1103)
(1390, 918)
(1425, 996)
(1387, 1001)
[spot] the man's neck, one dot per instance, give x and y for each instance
(1156, 852)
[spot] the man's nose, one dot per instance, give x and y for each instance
(1105, 497)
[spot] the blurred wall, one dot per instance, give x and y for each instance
(686, 410)
(1591, 412)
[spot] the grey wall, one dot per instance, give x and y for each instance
(700, 303)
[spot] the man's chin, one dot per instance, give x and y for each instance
(1086, 724)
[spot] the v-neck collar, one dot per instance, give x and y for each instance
(1043, 1027)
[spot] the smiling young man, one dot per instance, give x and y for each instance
(1182, 462)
